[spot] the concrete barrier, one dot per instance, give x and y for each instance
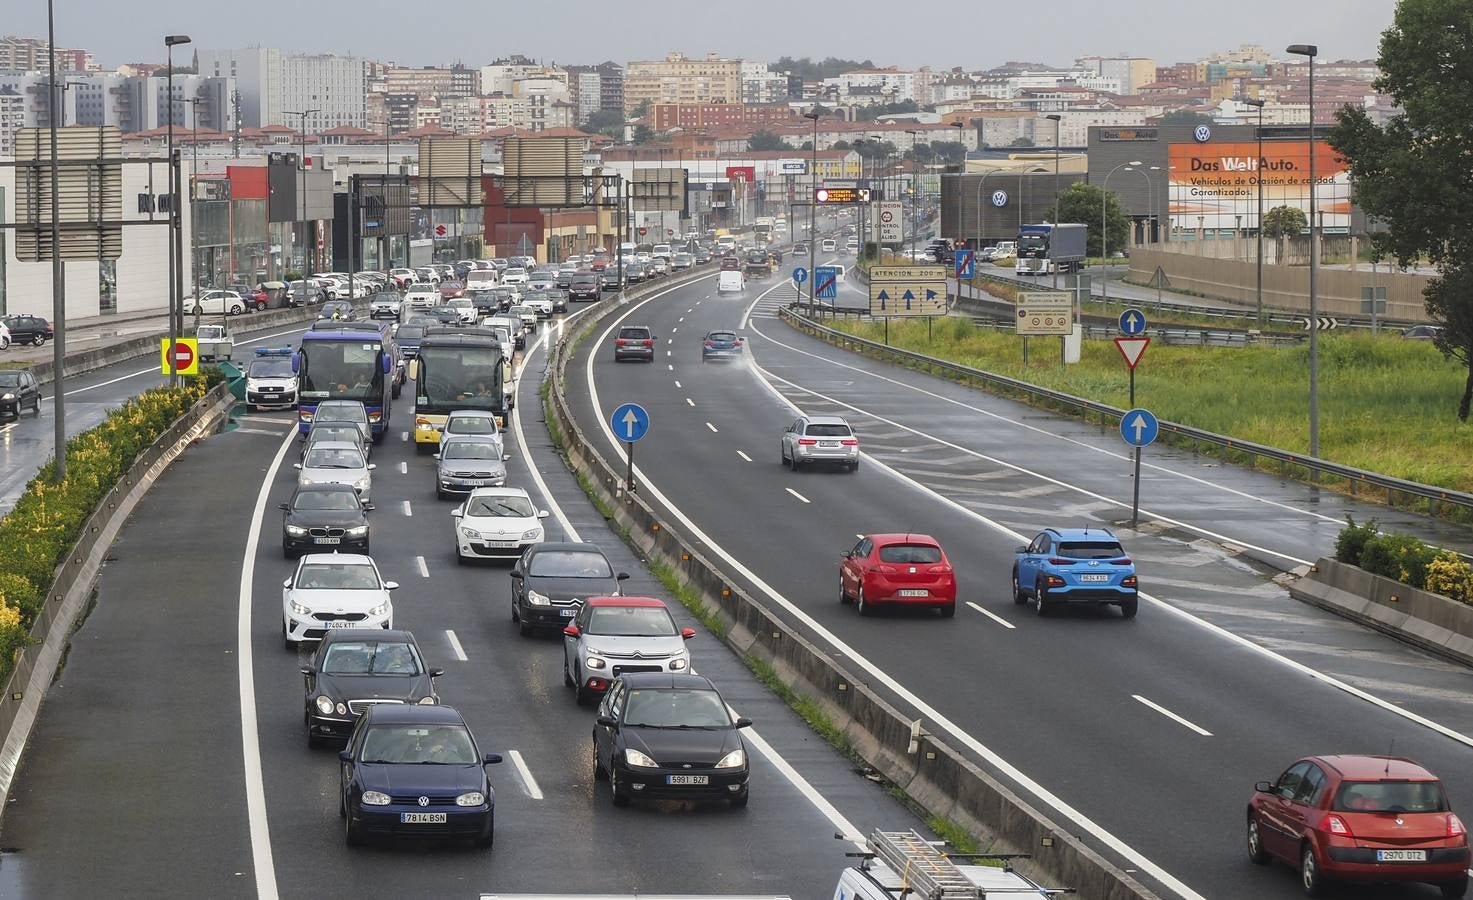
(1431, 621)
(935, 775)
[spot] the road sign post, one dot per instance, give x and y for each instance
(179, 356)
(1134, 343)
(630, 423)
(1139, 428)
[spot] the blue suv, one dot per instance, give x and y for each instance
(1075, 565)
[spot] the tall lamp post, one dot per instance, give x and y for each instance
(812, 217)
(1258, 177)
(1104, 226)
(960, 169)
(176, 255)
(1056, 118)
(1310, 51)
(915, 193)
(302, 165)
(858, 148)
(58, 300)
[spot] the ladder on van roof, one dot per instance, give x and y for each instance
(922, 868)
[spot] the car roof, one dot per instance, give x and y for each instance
(327, 487)
(392, 635)
(667, 681)
(347, 559)
(1081, 534)
(1375, 768)
(903, 537)
(337, 445)
(470, 414)
(644, 602)
(412, 714)
(499, 492)
(826, 420)
(573, 546)
(331, 404)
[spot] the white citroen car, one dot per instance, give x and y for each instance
(496, 523)
(333, 590)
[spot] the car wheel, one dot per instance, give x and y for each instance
(36, 406)
(1256, 854)
(516, 616)
(1018, 596)
(439, 494)
(39, 340)
(1044, 606)
(487, 840)
(397, 390)
(599, 772)
(784, 453)
(621, 798)
(740, 801)
(948, 611)
(286, 639)
(843, 594)
(286, 551)
(4, 343)
(854, 467)
(352, 836)
(261, 306)
(313, 742)
(459, 557)
(580, 693)
(1128, 608)
(1309, 873)
(865, 609)
(567, 677)
(1454, 890)
(525, 629)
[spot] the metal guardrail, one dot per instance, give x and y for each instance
(1393, 487)
(1171, 336)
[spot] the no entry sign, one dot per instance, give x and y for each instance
(180, 359)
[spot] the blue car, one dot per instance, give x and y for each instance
(1068, 566)
(721, 345)
(415, 771)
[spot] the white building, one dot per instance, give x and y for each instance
(868, 86)
(335, 86)
(257, 72)
(12, 118)
(762, 86)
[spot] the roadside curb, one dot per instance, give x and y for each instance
(36, 665)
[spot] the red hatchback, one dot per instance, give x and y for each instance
(1359, 818)
(897, 570)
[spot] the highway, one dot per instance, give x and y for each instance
(169, 760)
(1145, 735)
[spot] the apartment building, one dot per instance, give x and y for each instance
(433, 81)
(709, 115)
(681, 79)
(271, 84)
(1130, 71)
(23, 54)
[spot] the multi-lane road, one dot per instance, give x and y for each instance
(1145, 735)
(170, 761)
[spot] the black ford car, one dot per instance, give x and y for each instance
(355, 668)
(552, 579)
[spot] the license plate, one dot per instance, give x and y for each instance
(1401, 856)
(688, 779)
(502, 545)
(339, 623)
(1094, 578)
(568, 613)
(914, 592)
(422, 818)
(828, 443)
(470, 482)
(327, 540)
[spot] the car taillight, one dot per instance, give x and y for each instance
(1128, 581)
(648, 342)
(1061, 562)
(737, 342)
(618, 342)
(807, 442)
(1455, 826)
(1335, 825)
(1120, 562)
(939, 570)
(851, 442)
(1055, 581)
(886, 570)
(710, 344)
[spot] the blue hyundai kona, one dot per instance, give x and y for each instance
(1068, 566)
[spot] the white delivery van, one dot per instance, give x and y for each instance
(481, 280)
(931, 873)
(731, 282)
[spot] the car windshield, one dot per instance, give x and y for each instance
(370, 658)
(333, 458)
(1090, 550)
(816, 430)
(326, 500)
(500, 507)
(410, 333)
(1390, 797)
(676, 709)
(569, 564)
(278, 367)
(631, 621)
(471, 425)
(440, 745)
(471, 450)
(9, 379)
(334, 431)
(337, 577)
(910, 553)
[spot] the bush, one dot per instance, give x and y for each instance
(1399, 556)
(1450, 576)
(1352, 540)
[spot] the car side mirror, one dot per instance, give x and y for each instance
(435, 455)
(283, 506)
(744, 722)
(296, 465)
(287, 583)
(622, 576)
(345, 756)
(391, 585)
(506, 457)
(687, 633)
(372, 466)
(436, 672)
(369, 507)
(542, 514)
(607, 721)
(305, 670)
(491, 759)
(515, 574)
(1264, 787)
(572, 631)
(847, 554)
(1021, 550)
(455, 513)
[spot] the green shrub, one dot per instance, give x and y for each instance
(1352, 540)
(1399, 556)
(1450, 576)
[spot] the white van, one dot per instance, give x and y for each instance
(481, 279)
(932, 873)
(731, 282)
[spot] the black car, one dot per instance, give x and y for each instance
(669, 736)
(584, 287)
(485, 302)
(28, 329)
(18, 390)
(335, 309)
(413, 770)
(563, 278)
(559, 298)
(408, 337)
(354, 668)
(634, 273)
(324, 517)
(443, 315)
(634, 342)
(552, 579)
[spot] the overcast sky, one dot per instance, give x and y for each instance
(978, 35)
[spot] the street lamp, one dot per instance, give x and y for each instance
(176, 250)
(915, 193)
(302, 164)
(1056, 120)
(1310, 51)
(1104, 233)
(812, 217)
(1258, 177)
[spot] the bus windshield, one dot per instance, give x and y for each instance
(459, 377)
(346, 369)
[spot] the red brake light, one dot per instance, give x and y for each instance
(1061, 562)
(618, 342)
(851, 442)
(1335, 825)
(738, 342)
(1055, 581)
(649, 343)
(1128, 581)
(886, 570)
(939, 570)
(709, 344)
(1120, 562)
(807, 442)
(1455, 826)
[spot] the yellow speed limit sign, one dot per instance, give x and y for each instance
(179, 357)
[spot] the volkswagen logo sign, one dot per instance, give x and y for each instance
(999, 198)
(1202, 133)
(424, 801)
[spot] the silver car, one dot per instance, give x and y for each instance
(467, 462)
(337, 462)
(344, 411)
(820, 439)
(335, 431)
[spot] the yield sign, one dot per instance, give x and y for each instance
(1132, 348)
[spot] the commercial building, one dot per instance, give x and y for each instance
(272, 84)
(1130, 71)
(23, 54)
(257, 72)
(681, 79)
(433, 81)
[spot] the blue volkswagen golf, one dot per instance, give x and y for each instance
(1067, 566)
(415, 771)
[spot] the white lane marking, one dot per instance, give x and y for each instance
(677, 384)
(845, 827)
(744, 456)
(569, 531)
(682, 319)
(408, 510)
(674, 329)
(250, 738)
(798, 495)
(992, 615)
(528, 781)
(690, 402)
(712, 427)
(455, 647)
(966, 739)
(670, 366)
(424, 569)
(1172, 716)
(668, 353)
(403, 470)
(140, 372)
(403, 435)
(689, 311)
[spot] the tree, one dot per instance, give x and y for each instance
(949, 152)
(1184, 117)
(765, 140)
(1283, 222)
(1080, 202)
(808, 70)
(607, 121)
(643, 134)
(874, 149)
(1411, 173)
(875, 110)
(638, 112)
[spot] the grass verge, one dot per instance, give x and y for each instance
(808, 709)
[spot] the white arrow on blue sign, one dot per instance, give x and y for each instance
(1139, 427)
(966, 264)
(630, 422)
(1132, 323)
(800, 275)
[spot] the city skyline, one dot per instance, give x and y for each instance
(1349, 29)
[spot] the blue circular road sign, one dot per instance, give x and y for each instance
(630, 422)
(1132, 323)
(800, 275)
(1139, 427)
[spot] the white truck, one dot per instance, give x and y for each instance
(903, 864)
(731, 281)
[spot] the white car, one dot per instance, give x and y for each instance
(540, 302)
(610, 633)
(404, 277)
(514, 275)
(465, 308)
(216, 302)
(422, 296)
(4, 336)
(333, 590)
(829, 245)
(471, 422)
(337, 462)
(496, 523)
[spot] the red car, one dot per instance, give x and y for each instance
(450, 290)
(1359, 818)
(897, 570)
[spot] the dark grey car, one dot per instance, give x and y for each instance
(552, 579)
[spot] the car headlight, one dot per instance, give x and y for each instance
(324, 704)
(431, 700)
(375, 798)
(537, 599)
(361, 484)
(677, 665)
(295, 530)
(381, 610)
(534, 534)
(357, 531)
(594, 662)
(471, 534)
(635, 758)
(733, 760)
(341, 708)
(470, 798)
(300, 610)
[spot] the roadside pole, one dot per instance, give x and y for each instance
(629, 465)
(1138, 427)
(630, 422)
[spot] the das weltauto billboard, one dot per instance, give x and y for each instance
(1215, 185)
